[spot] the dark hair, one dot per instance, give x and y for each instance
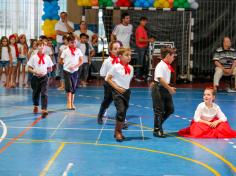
(83, 35)
(125, 14)
(167, 50)
(82, 22)
(143, 18)
(63, 13)
(42, 37)
(32, 42)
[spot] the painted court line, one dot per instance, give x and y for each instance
(51, 161)
(68, 168)
(19, 135)
(4, 134)
(101, 131)
(58, 126)
(141, 127)
(79, 129)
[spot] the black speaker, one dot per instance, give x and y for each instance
(96, 64)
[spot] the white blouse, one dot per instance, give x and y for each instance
(204, 113)
(106, 66)
(119, 77)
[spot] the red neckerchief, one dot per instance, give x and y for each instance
(17, 51)
(41, 60)
(115, 59)
(72, 50)
(169, 66)
(126, 67)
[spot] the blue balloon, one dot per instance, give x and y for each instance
(137, 4)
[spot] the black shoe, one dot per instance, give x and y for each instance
(125, 126)
(158, 133)
(99, 120)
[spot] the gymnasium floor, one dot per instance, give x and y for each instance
(71, 143)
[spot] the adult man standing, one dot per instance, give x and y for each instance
(142, 43)
(123, 31)
(62, 27)
(225, 62)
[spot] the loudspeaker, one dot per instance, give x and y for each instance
(96, 64)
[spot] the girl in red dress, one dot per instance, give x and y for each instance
(209, 121)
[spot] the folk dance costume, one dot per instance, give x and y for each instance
(40, 65)
(107, 100)
(163, 105)
(201, 130)
(122, 76)
(71, 58)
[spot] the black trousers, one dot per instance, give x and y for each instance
(121, 102)
(83, 72)
(107, 100)
(70, 81)
(163, 105)
(39, 86)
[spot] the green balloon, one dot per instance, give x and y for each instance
(176, 4)
(181, 1)
(109, 3)
(186, 5)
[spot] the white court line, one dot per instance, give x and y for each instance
(141, 126)
(101, 131)
(58, 126)
(68, 168)
(4, 134)
(82, 129)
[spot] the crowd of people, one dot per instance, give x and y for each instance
(69, 60)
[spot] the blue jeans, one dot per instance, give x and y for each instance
(143, 70)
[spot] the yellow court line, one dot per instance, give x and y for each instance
(183, 139)
(51, 161)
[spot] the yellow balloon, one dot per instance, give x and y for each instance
(166, 4)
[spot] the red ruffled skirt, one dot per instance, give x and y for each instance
(202, 130)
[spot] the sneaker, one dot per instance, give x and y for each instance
(35, 110)
(231, 90)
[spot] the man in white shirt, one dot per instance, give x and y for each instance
(162, 92)
(123, 31)
(63, 27)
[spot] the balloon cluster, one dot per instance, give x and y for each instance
(163, 3)
(193, 4)
(50, 17)
(50, 9)
(123, 3)
(186, 4)
(48, 28)
(143, 3)
(105, 3)
(84, 2)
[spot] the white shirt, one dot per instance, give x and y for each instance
(123, 34)
(89, 33)
(13, 53)
(62, 47)
(21, 51)
(106, 66)
(47, 50)
(119, 77)
(82, 47)
(40, 68)
(162, 71)
(62, 27)
(5, 55)
(35, 51)
(204, 113)
(70, 60)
